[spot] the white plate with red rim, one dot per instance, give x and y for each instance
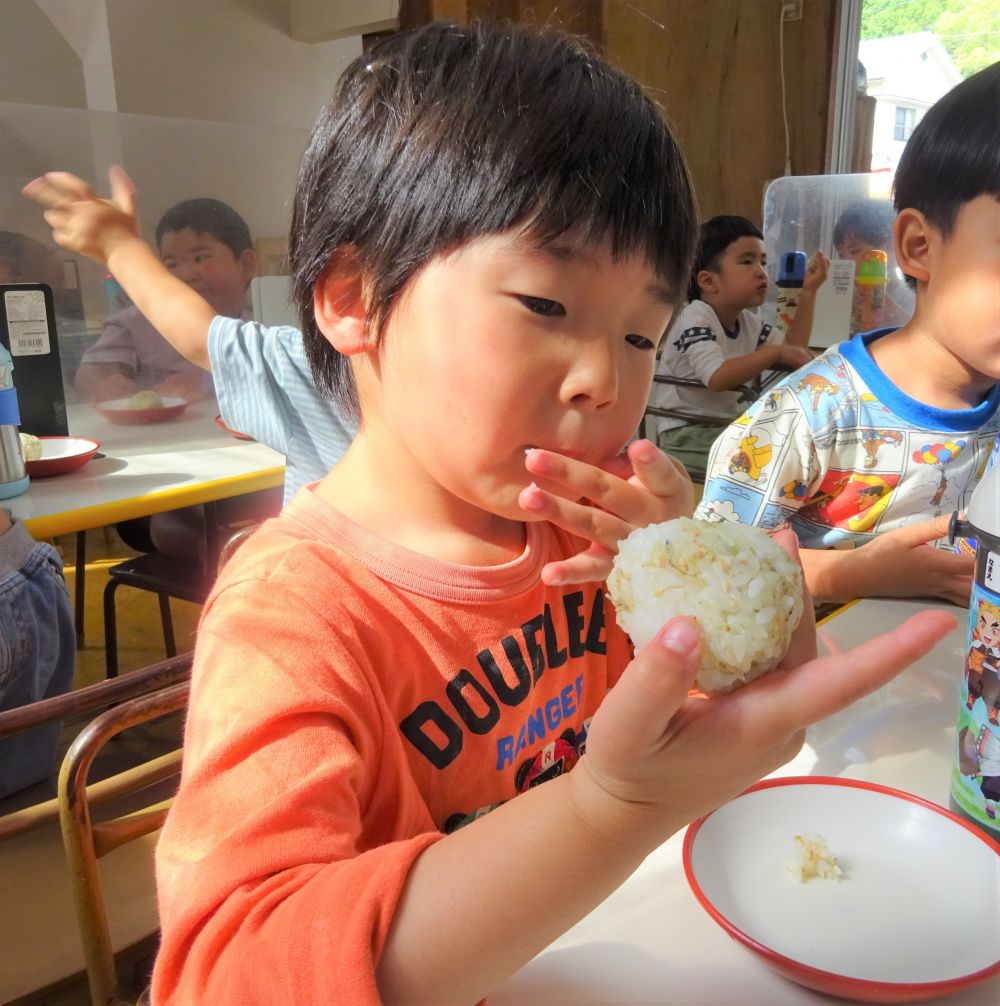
(61, 455)
(915, 915)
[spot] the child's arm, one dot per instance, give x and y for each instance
(655, 760)
(739, 370)
(898, 563)
(107, 231)
(800, 330)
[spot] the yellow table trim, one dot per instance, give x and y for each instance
(84, 518)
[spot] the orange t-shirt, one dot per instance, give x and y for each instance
(351, 702)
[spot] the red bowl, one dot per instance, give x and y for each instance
(61, 455)
(117, 411)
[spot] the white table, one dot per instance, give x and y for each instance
(650, 941)
(146, 470)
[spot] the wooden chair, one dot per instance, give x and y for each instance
(64, 915)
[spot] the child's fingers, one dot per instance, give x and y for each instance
(582, 519)
(660, 473)
(122, 189)
(66, 187)
(591, 566)
(786, 701)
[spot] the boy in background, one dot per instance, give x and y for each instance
(867, 226)
(895, 426)
(206, 244)
(490, 229)
(262, 379)
(720, 340)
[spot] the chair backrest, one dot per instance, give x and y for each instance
(86, 840)
(53, 872)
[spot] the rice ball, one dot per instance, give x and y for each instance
(31, 447)
(744, 590)
(145, 400)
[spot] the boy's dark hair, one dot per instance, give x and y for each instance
(446, 134)
(207, 216)
(869, 220)
(717, 234)
(953, 155)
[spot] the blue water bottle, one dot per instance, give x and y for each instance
(975, 776)
(13, 478)
(791, 276)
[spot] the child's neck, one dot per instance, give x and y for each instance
(415, 514)
(921, 366)
(727, 313)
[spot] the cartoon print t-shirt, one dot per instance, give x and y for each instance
(841, 454)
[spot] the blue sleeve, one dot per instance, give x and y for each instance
(37, 651)
(253, 368)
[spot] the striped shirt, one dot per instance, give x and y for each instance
(265, 389)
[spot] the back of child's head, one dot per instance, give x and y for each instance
(953, 155)
(207, 216)
(447, 134)
(716, 235)
(867, 222)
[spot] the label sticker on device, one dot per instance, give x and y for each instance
(992, 578)
(27, 325)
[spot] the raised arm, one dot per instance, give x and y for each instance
(107, 231)
(800, 330)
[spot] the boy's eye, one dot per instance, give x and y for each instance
(543, 306)
(639, 341)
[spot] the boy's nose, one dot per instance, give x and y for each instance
(593, 376)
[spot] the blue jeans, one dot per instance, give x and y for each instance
(37, 651)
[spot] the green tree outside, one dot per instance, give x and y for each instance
(969, 29)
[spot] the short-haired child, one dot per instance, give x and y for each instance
(720, 340)
(206, 244)
(868, 451)
(261, 376)
(490, 228)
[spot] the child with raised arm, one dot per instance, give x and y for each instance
(491, 227)
(895, 426)
(262, 379)
(720, 340)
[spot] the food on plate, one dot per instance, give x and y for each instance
(811, 857)
(144, 400)
(744, 590)
(31, 447)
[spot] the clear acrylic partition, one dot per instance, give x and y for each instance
(843, 215)
(252, 168)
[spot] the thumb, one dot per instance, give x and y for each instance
(654, 685)
(122, 189)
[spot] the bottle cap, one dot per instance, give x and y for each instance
(873, 267)
(792, 270)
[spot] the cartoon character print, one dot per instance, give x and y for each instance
(937, 456)
(979, 758)
(982, 664)
(872, 440)
(750, 458)
(851, 500)
(815, 386)
(555, 759)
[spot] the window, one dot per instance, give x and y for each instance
(904, 122)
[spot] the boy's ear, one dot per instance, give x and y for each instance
(707, 281)
(339, 305)
(913, 237)
(247, 261)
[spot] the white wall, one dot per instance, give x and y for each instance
(224, 60)
(213, 97)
